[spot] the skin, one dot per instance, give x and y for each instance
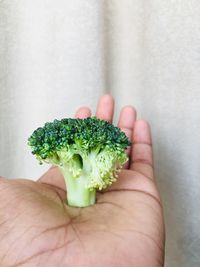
(124, 228)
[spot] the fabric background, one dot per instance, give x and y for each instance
(58, 55)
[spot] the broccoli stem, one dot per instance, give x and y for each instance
(78, 195)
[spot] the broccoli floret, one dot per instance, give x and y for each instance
(89, 152)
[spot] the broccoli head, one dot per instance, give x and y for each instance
(89, 152)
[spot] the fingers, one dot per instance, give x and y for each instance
(104, 111)
(126, 123)
(83, 112)
(105, 108)
(142, 154)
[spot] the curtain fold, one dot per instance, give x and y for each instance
(58, 55)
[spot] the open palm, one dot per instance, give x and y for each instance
(124, 228)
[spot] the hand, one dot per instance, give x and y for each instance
(124, 228)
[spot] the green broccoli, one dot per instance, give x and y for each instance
(89, 152)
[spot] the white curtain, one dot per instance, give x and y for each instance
(58, 55)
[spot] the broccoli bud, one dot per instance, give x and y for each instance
(89, 153)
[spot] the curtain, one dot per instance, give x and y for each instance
(58, 55)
